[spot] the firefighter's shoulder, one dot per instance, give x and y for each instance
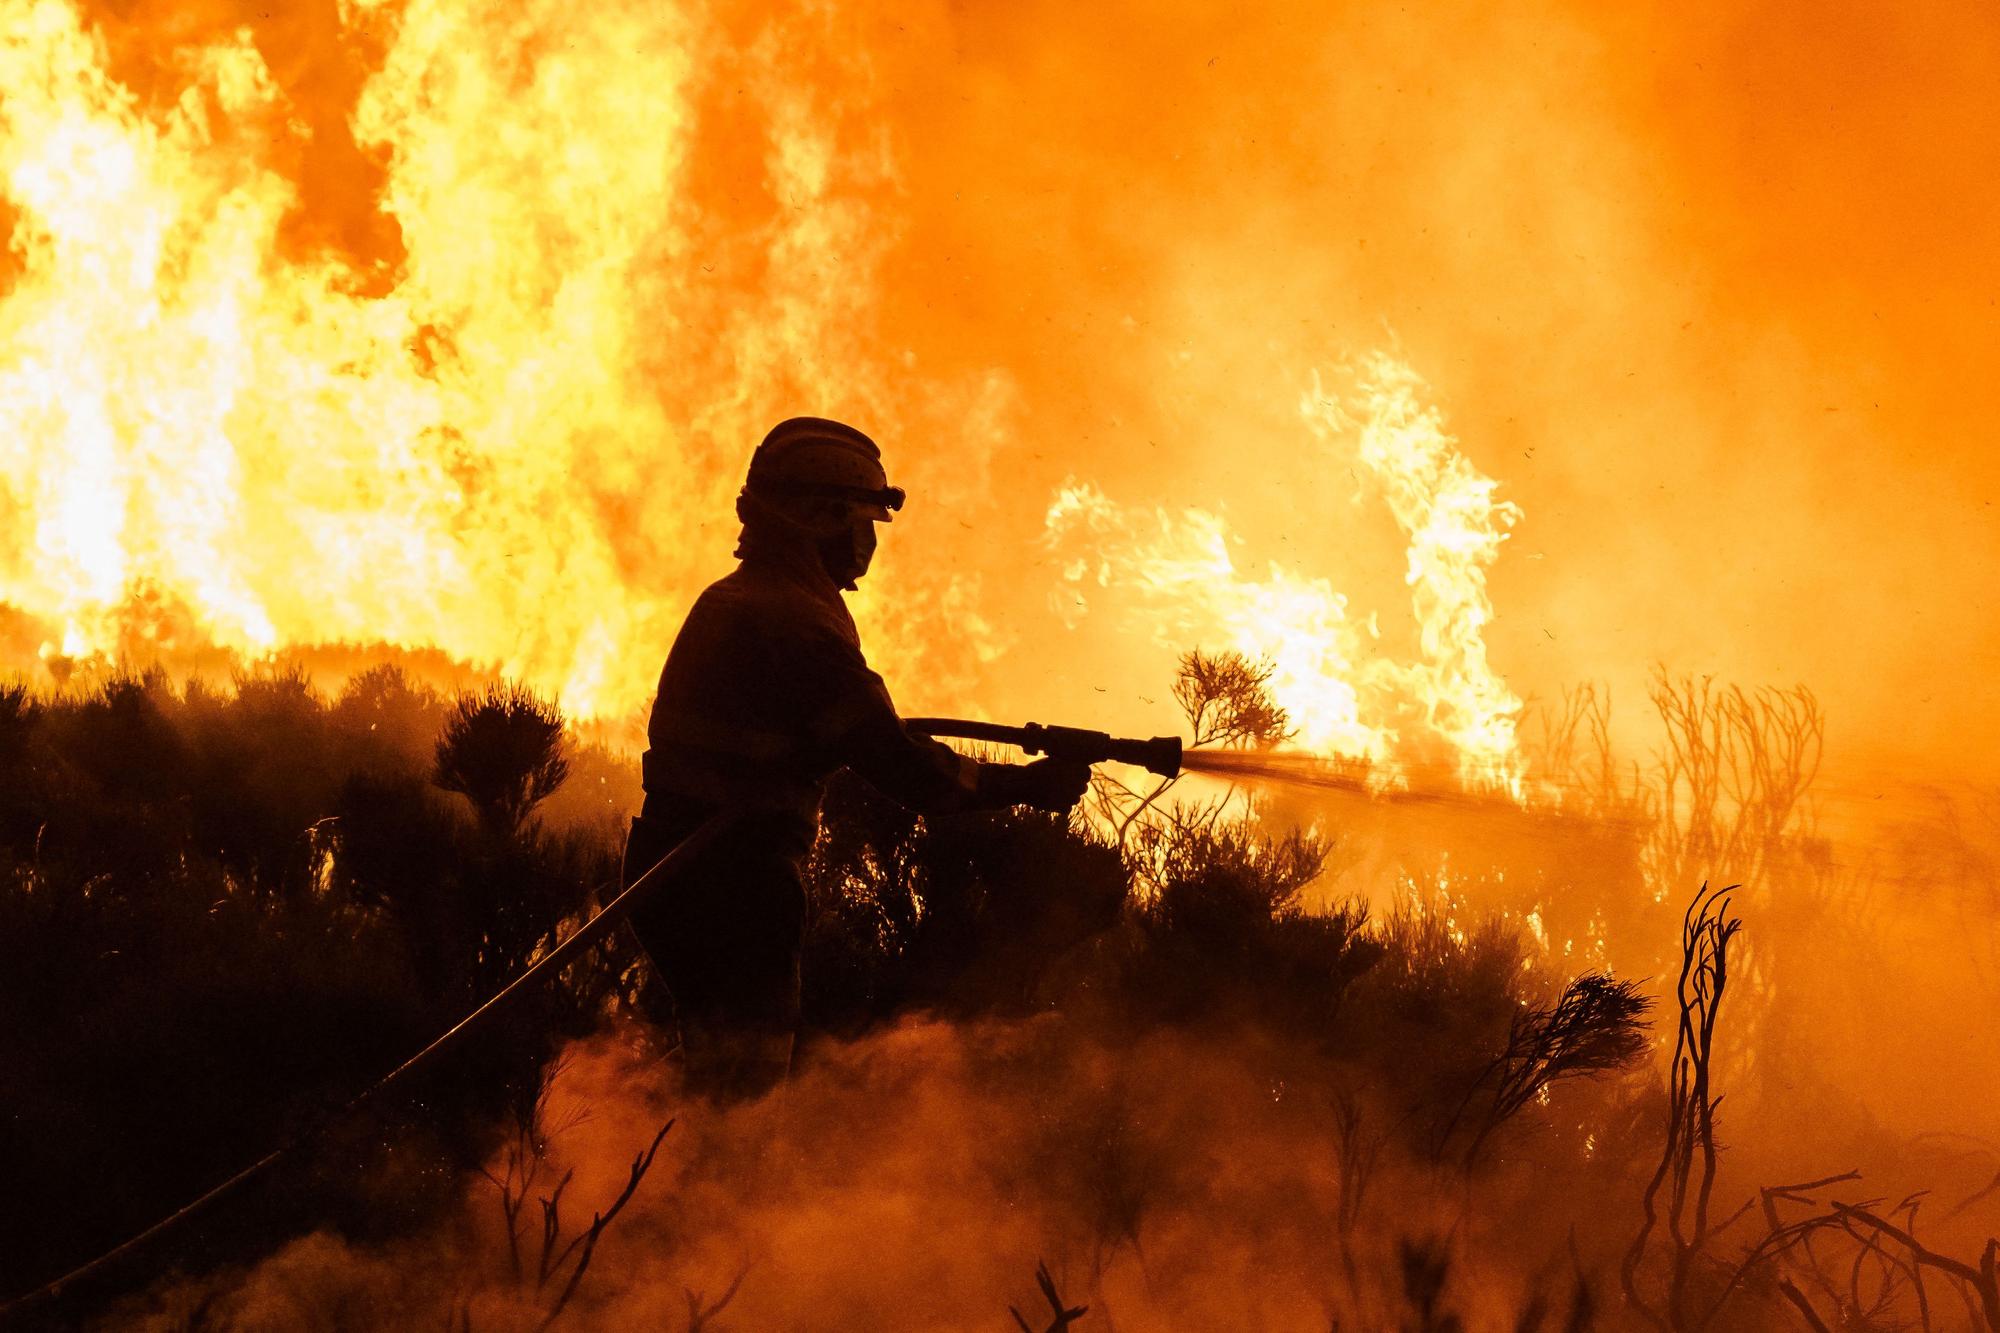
(776, 611)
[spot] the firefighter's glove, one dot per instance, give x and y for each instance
(1047, 784)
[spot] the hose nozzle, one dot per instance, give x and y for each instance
(1161, 754)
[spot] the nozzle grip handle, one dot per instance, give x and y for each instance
(1161, 754)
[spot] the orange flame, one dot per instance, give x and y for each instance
(1455, 528)
(461, 450)
(1342, 696)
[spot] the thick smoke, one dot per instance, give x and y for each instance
(914, 1179)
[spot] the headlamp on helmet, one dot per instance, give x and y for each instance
(814, 458)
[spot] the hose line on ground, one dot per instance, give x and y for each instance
(588, 934)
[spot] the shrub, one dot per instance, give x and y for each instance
(1225, 938)
(502, 750)
(222, 913)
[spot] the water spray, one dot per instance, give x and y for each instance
(1169, 757)
(1166, 756)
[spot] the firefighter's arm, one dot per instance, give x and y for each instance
(931, 777)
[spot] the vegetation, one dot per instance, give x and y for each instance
(222, 913)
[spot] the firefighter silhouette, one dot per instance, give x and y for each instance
(765, 694)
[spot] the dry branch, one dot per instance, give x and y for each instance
(1884, 1240)
(587, 1241)
(1062, 1316)
(1688, 1158)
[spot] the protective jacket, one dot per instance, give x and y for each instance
(766, 693)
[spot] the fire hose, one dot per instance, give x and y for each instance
(1161, 755)
(564, 953)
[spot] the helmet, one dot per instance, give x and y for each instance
(811, 457)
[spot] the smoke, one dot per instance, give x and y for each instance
(915, 1178)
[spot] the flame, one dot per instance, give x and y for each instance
(1179, 569)
(478, 445)
(1180, 577)
(470, 447)
(1455, 528)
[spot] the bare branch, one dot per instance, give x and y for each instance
(1688, 1159)
(640, 1166)
(1802, 1305)
(1062, 1316)
(699, 1314)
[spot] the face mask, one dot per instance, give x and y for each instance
(863, 535)
(847, 555)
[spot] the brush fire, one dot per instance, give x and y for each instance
(722, 666)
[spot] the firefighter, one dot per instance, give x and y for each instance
(765, 694)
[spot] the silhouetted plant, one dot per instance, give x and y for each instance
(17, 784)
(1224, 936)
(577, 1252)
(1872, 1266)
(1596, 1025)
(1226, 699)
(124, 740)
(1004, 897)
(219, 910)
(1221, 880)
(1574, 752)
(1733, 777)
(502, 750)
(1428, 1014)
(1061, 1313)
(146, 931)
(1426, 1269)
(17, 712)
(390, 717)
(1358, 1152)
(1688, 1157)
(700, 1309)
(250, 798)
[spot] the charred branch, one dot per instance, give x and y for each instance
(584, 1245)
(1688, 1157)
(1062, 1314)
